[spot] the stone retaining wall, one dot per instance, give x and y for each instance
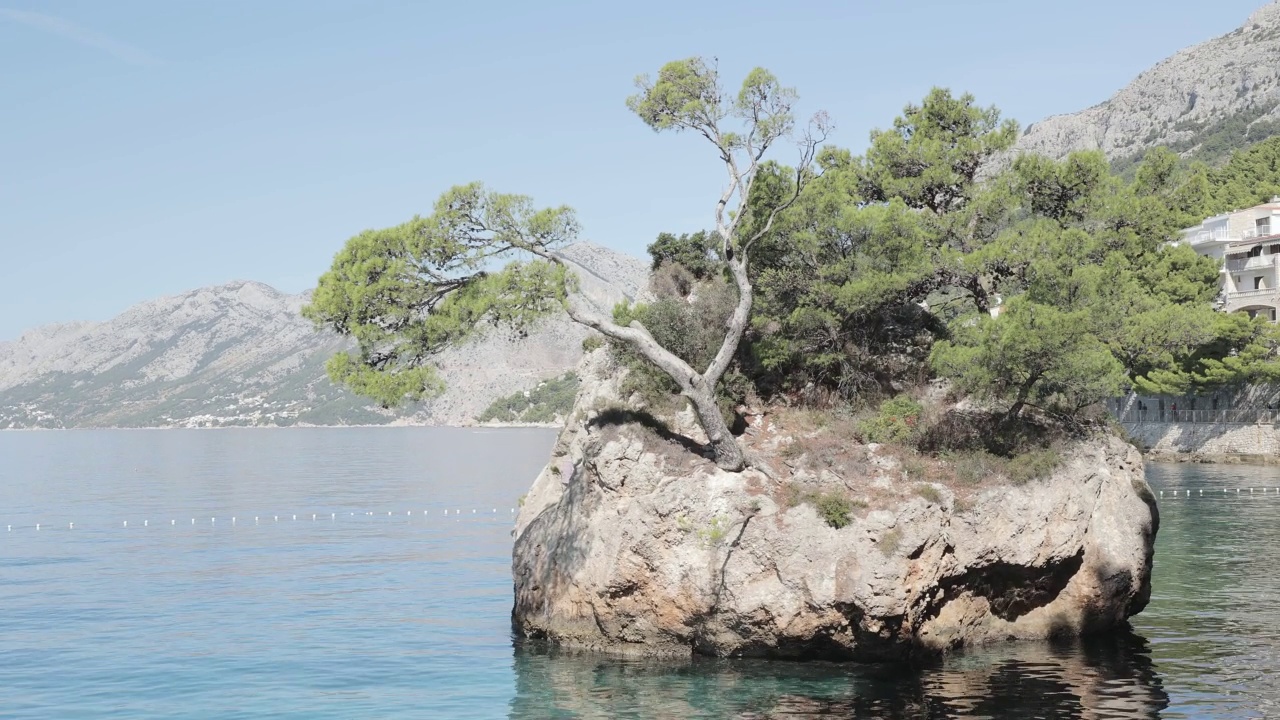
(1206, 439)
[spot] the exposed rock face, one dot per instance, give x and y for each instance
(629, 544)
(241, 354)
(1234, 74)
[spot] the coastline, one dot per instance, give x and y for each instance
(1200, 458)
(477, 426)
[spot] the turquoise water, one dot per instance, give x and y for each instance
(383, 606)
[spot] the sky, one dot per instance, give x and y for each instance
(152, 147)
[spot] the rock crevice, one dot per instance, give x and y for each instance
(648, 549)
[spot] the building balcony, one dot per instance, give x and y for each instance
(1260, 231)
(1252, 300)
(1205, 236)
(1259, 262)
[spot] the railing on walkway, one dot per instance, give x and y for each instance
(1249, 416)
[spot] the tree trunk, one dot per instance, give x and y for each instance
(728, 454)
(1024, 392)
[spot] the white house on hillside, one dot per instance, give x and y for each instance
(1248, 243)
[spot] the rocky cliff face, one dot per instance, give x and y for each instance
(1180, 100)
(240, 354)
(629, 542)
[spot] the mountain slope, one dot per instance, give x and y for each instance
(1203, 101)
(240, 354)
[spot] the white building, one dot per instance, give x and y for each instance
(1248, 243)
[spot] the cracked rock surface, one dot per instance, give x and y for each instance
(629, 543)
(1207, 83)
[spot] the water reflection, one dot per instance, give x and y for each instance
(1102, 678)
(1208, 645)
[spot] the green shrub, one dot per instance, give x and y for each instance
(592, 342)
(715, 532)
(929, 493)
(897, 421)
(543, 404)
(834, 509)
(691, 328)
(1033, 465)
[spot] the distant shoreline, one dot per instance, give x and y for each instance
(1196, 458)
(485, 426)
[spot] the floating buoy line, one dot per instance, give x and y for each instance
(1221, 492)
(457, 514)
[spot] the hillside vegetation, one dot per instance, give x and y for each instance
(547, 402)
(887, 274)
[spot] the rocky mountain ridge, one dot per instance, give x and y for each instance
(240, 354)
(1226, 86)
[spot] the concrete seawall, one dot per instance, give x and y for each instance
(1254, 443)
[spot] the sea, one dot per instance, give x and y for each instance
(365, 573)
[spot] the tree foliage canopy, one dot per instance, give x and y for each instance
(407, 292)
(1048, 283)
(1024, 280)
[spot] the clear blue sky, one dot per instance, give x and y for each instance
(148, 148)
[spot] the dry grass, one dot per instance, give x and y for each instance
(929, 493)
(821, 440)
(890, 542)
(835, 506)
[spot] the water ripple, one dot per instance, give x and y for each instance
(400, 616)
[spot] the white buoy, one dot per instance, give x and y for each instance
(295, 517)
(37, 526)
(1201, 491)
(213, 521)
(255, 519)
(333, 516)
(313, 517)
(446, 511)
(388, 513)
(126, 523)
(71, 526)
(1161, 493)
(146, 523)
(173, 522)
(233, 520)
(495, 511)
(277, 517)
(193, 521)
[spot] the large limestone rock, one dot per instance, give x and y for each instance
(627, 542)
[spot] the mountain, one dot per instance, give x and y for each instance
(240, 354)
(1203, 102)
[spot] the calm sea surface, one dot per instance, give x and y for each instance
(215, 602)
